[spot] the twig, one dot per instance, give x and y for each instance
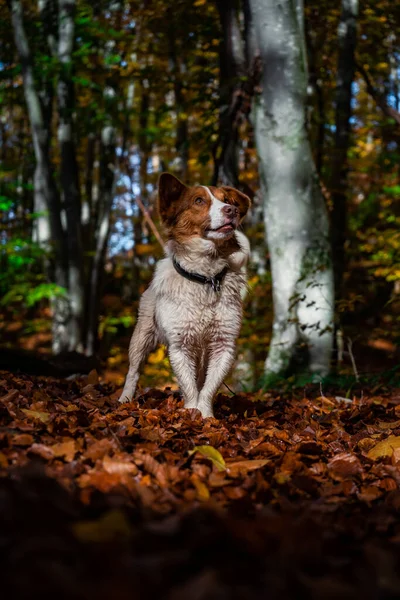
(353, 362)
(227, 386)
(150, 221)
(389, 111)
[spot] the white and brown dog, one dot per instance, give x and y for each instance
(194, 302)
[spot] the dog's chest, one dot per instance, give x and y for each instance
(190, 312)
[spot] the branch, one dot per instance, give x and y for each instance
(379, 98)
(150, 221)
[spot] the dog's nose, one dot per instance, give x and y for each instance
(229, 210)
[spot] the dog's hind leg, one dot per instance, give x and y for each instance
(143, 341)
(219, 365)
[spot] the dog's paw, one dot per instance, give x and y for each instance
(206, 412)
(123, 399)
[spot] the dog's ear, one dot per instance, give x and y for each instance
(170, 189)
(238, 199)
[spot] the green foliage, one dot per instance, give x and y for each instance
(29, 294)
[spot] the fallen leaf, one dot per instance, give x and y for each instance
(385, 447)
(112, 525)
(42, 450)
(93, 377)
(203, 493)
(119, 465)
(344, 465)
(369, 493)
(212, 454)
(242, 467)
(65, 450)
(12, 395)
(44, 417)
(23, 439)
(391, 425)
(234, 493)
(3, 461)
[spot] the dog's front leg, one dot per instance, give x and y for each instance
(143, 341)
(220, 363)
(184, 367)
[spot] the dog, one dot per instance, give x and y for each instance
(194, 302)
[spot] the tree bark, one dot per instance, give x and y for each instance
(295, 215)
(345, 75)
(232, 68)
(106, 196)
(69, 179)
(46, 198)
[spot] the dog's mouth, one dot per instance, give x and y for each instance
(226, 228)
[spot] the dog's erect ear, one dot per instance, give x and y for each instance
(170, 189)
(238, 199)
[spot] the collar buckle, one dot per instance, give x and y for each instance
(215, 283)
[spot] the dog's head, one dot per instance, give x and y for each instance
(200, 211)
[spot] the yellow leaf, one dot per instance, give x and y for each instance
(202, 490)
(212, 454)
(385, 447)
(157, 356)
(36, 414)
(113, 524)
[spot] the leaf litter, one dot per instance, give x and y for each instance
(316, 477)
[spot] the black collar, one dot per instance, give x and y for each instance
(214, 282)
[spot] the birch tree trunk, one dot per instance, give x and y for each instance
(46, 198)
(347, 36)
(295, 215)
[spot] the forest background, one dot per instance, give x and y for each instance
(296, 106)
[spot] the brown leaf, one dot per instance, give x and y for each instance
(10, 397)
(23, 439)
(369, 493)
(3, 461)
(344, 466)
(93, 377)
(42, 450)
(104, 481)
(65, 450)
(242, 467)
(120, 465)
(99, 448)
(152, 466)
(234, 493)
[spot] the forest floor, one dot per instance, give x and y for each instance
(293, 495)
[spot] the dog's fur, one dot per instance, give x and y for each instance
(199, 325)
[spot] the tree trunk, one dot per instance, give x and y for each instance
(232, 67)
(69, 173)
(45, 192)
(295, 215)
(347, 36)
(182, 133)
(107, 181)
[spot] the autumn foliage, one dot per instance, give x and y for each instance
(279, 495)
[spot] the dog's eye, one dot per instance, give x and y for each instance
(199, 201)
(226, 200)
